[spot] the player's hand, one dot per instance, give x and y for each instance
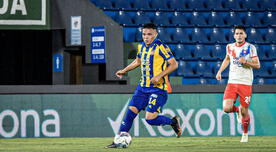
(242, 60)
(120, 73)
(155, 79)
(218, 76)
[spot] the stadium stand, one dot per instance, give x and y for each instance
(197, 31)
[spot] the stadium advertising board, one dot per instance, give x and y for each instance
(24, 14)
(99, 115)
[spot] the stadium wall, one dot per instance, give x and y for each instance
(99, 115)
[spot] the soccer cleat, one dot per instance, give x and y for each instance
(176, 126)
(113, 145)
(244, 137)
(239, 116)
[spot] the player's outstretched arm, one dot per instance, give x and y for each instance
(223, 66)
(134, 64)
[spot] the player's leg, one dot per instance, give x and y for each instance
(245, 92)
(156, 102)
(229, 99)
(136, 104)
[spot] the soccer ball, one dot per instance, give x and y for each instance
(123, 140)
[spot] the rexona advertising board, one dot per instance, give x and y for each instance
(100, 115)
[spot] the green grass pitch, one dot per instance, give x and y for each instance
(140, 144)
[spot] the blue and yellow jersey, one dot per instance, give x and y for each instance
(153, 61)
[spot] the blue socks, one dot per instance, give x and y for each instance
(160, 120)
(127, 122)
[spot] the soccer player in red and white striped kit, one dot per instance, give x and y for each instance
(242, 57)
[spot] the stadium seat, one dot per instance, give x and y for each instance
(124, 19)
(183, 52)
(270, 36)
(159, 4)
(185, 69)
(203, 69)
(222, 81)
(259, 81)
(233, 19)
(203, 81)
(161, 19)
(201, 52)
(177, 4)
(252, 19)
(198, 35)
(251, 5)
(197, 19)
(129, 34)
(216, 19)
(141, 5)
(196, 5)
(272, 52)
(270, 19)
(218, 52)
(103, 4)
(163, 35)
(254, 36)
(273, 70)
(232, 4)
(217, 36)
(215, 5)
(261, 52)
(179, 19)
(141, 18)
(180, 36)
(123, 5)
(138, 35)
(268, 4)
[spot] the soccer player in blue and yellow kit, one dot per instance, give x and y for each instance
(156, 62)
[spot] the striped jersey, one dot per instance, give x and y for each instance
(238, 74)
(153, 61)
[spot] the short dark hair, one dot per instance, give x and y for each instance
(150, 26)
(241, 27)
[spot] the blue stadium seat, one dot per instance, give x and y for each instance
(163, 35)
(216, 67)
(159, 4)
(203, 69)
(270, 36)
(129, 34)
(198, 19)
(202, 53)
(141, 5)
(141, 18)
(180, 36)
(196, 5)
(124, 19)
(273, 70)
(104, 4)
(216, 19)
(232, 4)
(268, 4)
(215, 5)
(177, 4)
(203, 81)
(183, 52)
(233, 19)
(138, 35)
(254, 36)
(261, 52)
(123, 5)
(272, 52)
(179, 19)
(198, 35)
(161, 19)
(252, 19)
(222, 81)
(251, 5)
(218, 52)
(270, 19)
(217, 36)
(224, 74)
(185, 69)
(259, 81)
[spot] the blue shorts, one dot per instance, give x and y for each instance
(150, 99)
